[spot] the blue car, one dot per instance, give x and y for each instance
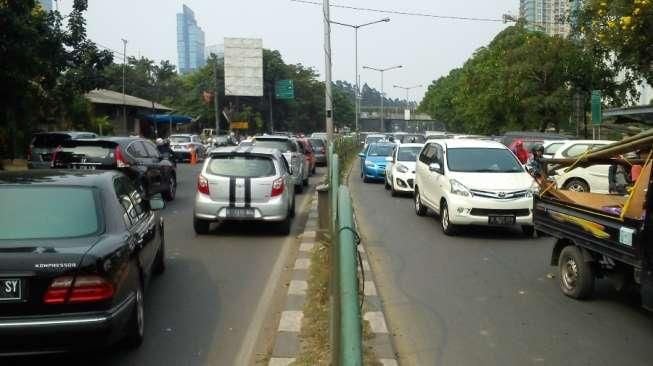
(373, 161)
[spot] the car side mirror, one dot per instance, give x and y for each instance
(389, 159)
(435, 167)
(361, 155)
(157, 203)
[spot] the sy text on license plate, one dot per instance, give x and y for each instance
(10, 289)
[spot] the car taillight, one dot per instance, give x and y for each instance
(277, 187)
(82, 289)
(121, 162)
(203, 185)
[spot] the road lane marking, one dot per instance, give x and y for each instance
(281, 361)
(302, 263)
(297, 287)
(306, 247)
(366, 265)
(308, 234)
(388, 362)
(370, 288)
(291, 321)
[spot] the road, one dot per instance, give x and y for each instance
(208, 307)
(486, 296)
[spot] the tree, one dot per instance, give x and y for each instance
(46, 67)
(623, 27)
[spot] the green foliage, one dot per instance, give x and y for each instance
(46, 67)
(522, 80)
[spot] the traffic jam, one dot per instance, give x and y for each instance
(593, 197)
(77, 280)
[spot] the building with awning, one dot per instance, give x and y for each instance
(111, 104)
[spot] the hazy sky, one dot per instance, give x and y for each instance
(428, 48)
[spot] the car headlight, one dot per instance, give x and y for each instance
(533, 190)
(369, 164)
(402, 168)
(459, 189)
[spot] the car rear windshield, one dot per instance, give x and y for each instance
(380, 150)
(482, 160)
(408, 153)
(47, 212)
(317, 142)
(49, 139)
(416, 139)
(241, 166)
(373, 139)
(179, 139)
(98, 152)
(281, 145)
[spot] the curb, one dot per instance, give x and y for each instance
(287, 344)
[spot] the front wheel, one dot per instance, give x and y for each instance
(447, 227)
(577, 185)
(201, 226)
(576, 275)
(136, 325)
(420, 209)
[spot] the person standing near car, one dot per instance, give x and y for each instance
(520, 152)
(534, 164)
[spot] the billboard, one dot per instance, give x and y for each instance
(243, 67)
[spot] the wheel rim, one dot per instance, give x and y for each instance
(445, 218)
(172, 187)
(576, 187)
(418, 204)
(570, 274)
(140, 312)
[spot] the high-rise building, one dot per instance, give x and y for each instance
(46, 4)
(549, 16)
(190, 42)
(217, 49)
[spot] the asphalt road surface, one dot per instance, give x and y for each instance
(209, 305)
(486, 297)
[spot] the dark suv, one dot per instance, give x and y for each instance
(44, 143)
(138, 158)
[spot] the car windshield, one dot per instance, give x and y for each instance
(482, 160)
(408, 153)
(281, 145)
(380, 150)
(179, 139)
(373, 139)
(241, 166)
(36, 212)
(551, 149)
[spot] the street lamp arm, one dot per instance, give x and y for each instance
(343, 24)
(384, 20)
(373, 68)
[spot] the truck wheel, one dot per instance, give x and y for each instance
(576, 275)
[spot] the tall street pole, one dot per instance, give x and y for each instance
(216, 107)
(124, 62)
(382, 71)
(356, 78)
(327, 70)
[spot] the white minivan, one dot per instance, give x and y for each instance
(473, 182)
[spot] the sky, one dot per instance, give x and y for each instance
(426, 47)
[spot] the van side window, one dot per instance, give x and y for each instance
(424, 156)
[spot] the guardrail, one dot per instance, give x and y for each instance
(346, 322)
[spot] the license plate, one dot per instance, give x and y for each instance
(83, 167)
(501, 220)
(240, 212)
(10, 289)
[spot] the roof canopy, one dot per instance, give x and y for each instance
(169, 118)
(639, 114)
(104, 96)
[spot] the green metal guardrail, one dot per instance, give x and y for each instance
(346, 328)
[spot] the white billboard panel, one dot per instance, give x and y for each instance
(243, 67)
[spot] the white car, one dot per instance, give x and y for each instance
(594, 178)
(400, 170)
(371, 139)
(473, 182)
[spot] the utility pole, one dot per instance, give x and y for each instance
(124, 63)
(327, 70)
(216, 107)
(271, 112)
(382, 71)
(356, 78)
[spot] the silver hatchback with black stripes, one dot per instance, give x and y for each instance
(244, 183)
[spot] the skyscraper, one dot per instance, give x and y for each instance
(46, 4)
(190, 42)
(549, 16)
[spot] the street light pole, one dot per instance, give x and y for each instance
(124, 62)
(382, 71)
(356, 79)
(327, 71)
(407, 89)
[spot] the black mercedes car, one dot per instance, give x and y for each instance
(151, 171)
(77, 249)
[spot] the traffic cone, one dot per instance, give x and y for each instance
(193, 156)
